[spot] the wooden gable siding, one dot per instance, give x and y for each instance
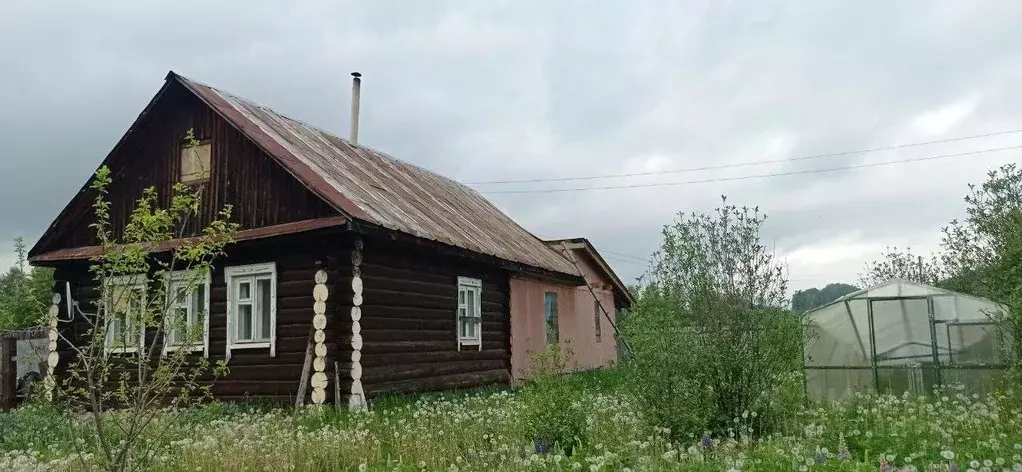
(261, 191)
(254, 375)
(408, 322)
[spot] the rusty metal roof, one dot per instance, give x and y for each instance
(375, 188)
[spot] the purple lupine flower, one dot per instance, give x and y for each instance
(886, 466)
(542, 446)
(707, 442)
(953, 468)
(844, 454)
(821, 457)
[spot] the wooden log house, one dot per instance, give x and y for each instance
(405, 279)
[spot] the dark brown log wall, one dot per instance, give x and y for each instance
(408, 322)
(261, 192)
(253, 373)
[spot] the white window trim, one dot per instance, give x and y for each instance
(476, 286)
(177, 276)
(244, 270)
(130, 280)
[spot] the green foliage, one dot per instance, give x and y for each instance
(112, 365)
(486, 431)
(805, 300)
(982, 255)
(903, 264)
(710, 339)
(552, 414)
(24, 292)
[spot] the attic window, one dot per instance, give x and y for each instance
(195, 162)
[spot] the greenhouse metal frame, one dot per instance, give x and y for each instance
(902, 336)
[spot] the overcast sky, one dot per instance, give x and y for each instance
(483, 91)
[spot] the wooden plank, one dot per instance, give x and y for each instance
(300, 400)
(401, 358)
(8, 373)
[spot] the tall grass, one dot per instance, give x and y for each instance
(491, 430)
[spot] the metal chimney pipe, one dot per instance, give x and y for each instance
(356, 87)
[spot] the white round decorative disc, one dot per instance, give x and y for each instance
(356, 299)
(356, 327)
(318, 396)
(320, 350)
(319, 293)
(319, 364)
(54, 310)
(356, 313)
(56, 298)
(319, 321)
(356, 342)
(356, 370)
(356, 356)
(320, 336)
(356, 285)
(319, 308)
(320, 276)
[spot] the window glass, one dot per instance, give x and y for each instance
(552, 329)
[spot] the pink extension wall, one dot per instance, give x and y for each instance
(576, 323)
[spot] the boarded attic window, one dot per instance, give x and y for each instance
(195, 158)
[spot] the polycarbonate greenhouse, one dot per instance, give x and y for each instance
(899, 337)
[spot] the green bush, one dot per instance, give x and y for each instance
(552, 414)
(713, 348)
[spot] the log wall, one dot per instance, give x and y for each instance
(405, 339)
(408, 328)
(254, 374)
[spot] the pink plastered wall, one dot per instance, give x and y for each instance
(576, 321)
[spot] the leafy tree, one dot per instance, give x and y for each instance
(24, 292)
(896, 263)
(712, 341)
(113, 368)
(983, 254)
(805, 300)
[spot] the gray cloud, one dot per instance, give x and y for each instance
(503, 90)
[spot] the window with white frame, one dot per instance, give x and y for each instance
(188, 311)
(251, 306)
(469, 312)
(125, 299)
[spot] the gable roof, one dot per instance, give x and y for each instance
(589, 250)
(371, 187)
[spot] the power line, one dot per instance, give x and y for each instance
(623, 260)
(629, 256)
(750, 163)
(754, 176)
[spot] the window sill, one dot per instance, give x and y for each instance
(121, 350)
(249, 345)
(182, 347)
(469, 342)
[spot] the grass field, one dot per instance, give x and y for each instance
(490, 430)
